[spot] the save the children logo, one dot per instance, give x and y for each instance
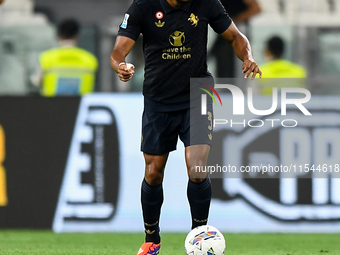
(177, 50)
(177, 38)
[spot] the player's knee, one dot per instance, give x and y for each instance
(196, 175)
(197, 170)
(197, 180)
(154, 175)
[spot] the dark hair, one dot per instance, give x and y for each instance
(276, 46)
(68, 29)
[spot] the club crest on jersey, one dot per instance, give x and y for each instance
(193, 19)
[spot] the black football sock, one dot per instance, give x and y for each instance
(152, 200)
(199, 196)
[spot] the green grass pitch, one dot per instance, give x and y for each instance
(48, 243)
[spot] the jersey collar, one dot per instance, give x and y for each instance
(168, 8)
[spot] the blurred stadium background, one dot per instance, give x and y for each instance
(65, 162)
(309, 28)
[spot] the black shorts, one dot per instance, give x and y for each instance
(160, 130)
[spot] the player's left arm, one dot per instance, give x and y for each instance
(243, 50)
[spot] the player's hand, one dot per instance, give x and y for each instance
(250, 67)
(124, 73)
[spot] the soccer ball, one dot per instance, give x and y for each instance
(204, 240)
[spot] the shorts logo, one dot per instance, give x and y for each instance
(125, 21)
(177, 38)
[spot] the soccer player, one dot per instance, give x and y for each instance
(174, 44)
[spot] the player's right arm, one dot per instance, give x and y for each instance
(121, 49)
(128, 34)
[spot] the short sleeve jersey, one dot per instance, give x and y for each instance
(174, 46)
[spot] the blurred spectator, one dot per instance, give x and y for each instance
(66, 70)
(277, 67)
(239, 11)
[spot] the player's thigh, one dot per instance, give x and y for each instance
(155, 162)
(196, 134)
(159, 132)
(197, 128)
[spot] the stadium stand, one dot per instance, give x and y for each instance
(270, 10)
(336, 5)
(312, 13)
(17, 12)
(23, 35)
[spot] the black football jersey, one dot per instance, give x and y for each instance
(174, 46)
